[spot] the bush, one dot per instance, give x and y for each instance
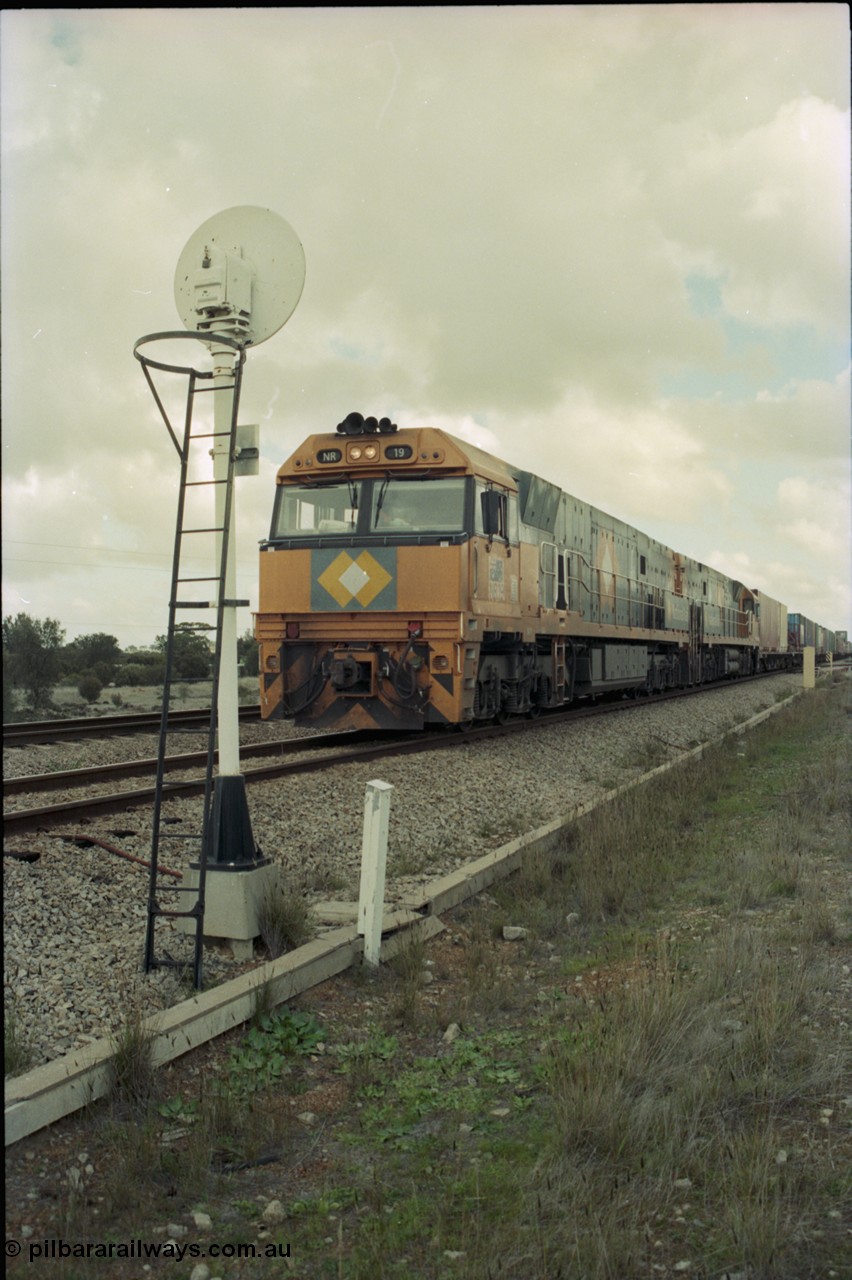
(138, 673)
(89, 687)
(31, 650)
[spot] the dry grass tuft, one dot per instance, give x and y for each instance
(282, 917)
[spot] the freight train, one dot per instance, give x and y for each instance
(412, 580)
(803, 633)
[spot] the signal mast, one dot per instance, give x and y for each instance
(238, 281)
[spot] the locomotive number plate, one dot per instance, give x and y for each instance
(398, 452)
(329, 455)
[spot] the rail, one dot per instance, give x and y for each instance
(25, 733)
(353, 750)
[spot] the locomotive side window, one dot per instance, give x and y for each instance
(496, 514)
(493, 508)
(302, 511)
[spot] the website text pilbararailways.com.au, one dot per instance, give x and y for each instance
(140, 1250)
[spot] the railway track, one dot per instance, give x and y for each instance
(41, 732)
(68, 779)
(322, 754)
(29, 733)
(316, 753)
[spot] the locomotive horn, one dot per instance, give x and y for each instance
(352, 425)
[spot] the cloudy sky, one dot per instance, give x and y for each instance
(610, 244)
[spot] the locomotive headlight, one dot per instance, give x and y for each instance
(355, 452)
(272, 662)
(371, 452)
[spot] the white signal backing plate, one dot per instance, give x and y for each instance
(268, 245)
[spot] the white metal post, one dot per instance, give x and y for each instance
(808, 667)
(224, 360)
(374, 853)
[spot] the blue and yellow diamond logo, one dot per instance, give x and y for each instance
(358, 580)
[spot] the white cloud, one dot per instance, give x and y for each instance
(501, 208)
(816, 518)
(770, 208)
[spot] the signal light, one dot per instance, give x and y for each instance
(415, 628)
(293, 631)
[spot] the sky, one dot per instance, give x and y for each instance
(608, 244)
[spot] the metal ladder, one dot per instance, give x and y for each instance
(187, 902)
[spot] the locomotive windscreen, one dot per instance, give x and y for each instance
(303, 511)
(375, 506)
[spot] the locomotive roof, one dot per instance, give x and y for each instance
(431, 448)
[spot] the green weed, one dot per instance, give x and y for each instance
(262, 1056)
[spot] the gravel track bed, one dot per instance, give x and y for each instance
(74, 920)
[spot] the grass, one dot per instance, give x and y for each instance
(133, 1082)
(282, 917)
(652, 1077)
(17, 1051)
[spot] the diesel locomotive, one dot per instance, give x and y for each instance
(410, 580)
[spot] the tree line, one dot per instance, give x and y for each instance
(36, 658)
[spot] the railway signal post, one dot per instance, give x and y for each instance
(237, 282)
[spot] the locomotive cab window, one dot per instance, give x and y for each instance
(393, 505)
(433, 505)
(303, 511)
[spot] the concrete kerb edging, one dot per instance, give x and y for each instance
(48, 1093)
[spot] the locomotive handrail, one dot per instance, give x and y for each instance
(731, 619)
